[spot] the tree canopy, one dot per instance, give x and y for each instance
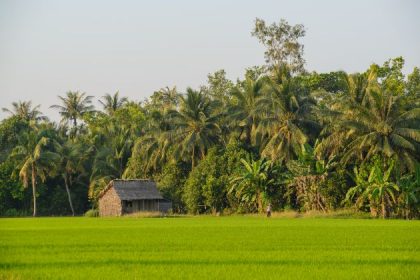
(280, 135)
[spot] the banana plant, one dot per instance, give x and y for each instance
(410, 192)
(251, 186)
(377, 189)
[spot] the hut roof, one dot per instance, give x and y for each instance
(135, 189)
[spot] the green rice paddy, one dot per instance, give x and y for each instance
(208, 248)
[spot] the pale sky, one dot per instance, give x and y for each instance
(48, 47)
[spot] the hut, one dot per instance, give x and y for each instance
(129, 196)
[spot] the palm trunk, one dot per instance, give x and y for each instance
(248, 135)
(68, 194)
(193, 158)
(383, 208)
(34, 188)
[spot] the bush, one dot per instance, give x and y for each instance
(92, 213)
(15, 213)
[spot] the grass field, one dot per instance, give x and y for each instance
(208, 248)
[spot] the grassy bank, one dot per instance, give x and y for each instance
(208, 248)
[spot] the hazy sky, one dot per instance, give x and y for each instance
(136, 47)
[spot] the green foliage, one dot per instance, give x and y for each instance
(92, 213)
(111, 103)
(251, 184)
(280, 135)
(413, 83)
(12, 193)
(375, 186)
(314, 179)
(392, 75)
(10, 129)
(74, 105)
(195, 126)
(282, 43)
(409, 198)
(206, 189)
(171, 182)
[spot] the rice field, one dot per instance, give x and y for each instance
(208, 248)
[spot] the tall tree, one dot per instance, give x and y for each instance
(34, 159)
(167, 97)
(112, 103)
(24, 111)
(286, 116)
(282, 43)
(112, 153)
(70, 165)
(195, 126)
(73, 106)
(219, 87)
(243, 109)
(383, 126)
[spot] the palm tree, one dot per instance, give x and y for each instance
(384, 126)
(251, 186)
(195, 128)
(286, 116)
(24, 111)
(74, 106)
(111, 157)
(369, 119)
(34, 159)
(358, 87)
(154, 147)
(70, 165)
(111, 103)
(243, 111)
(166, 97)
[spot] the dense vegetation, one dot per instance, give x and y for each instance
(208, 248)
(281, 136)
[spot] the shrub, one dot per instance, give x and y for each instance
(92, 213)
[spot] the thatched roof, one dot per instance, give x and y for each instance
(135, 189)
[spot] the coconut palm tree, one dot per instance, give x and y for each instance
(195, 127)
(111, 157)
(70, 165)
(359, 86)
(111, 103)
(34, 159)
(166, 97)
(243, 111)
(24, 110)
(74, 106)
(370, 119)
(383, 126)
(154, 147)
(286, 117)
(341, 107)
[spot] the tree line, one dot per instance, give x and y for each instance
(281, 136)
